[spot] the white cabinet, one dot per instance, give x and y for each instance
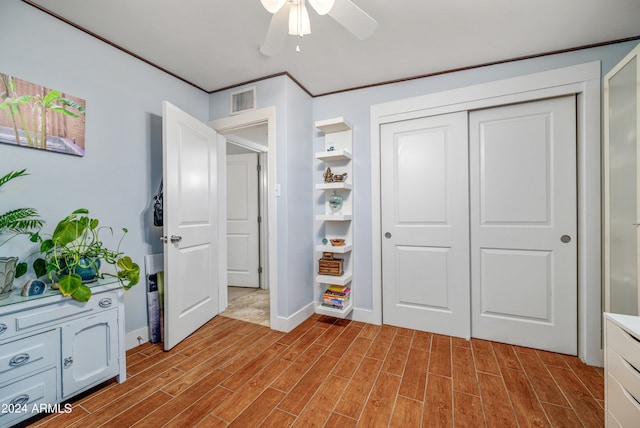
(52, 348)
(621, 364)
(89, 351)
(621, 166)
(334, 291)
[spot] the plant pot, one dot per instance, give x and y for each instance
(87, 268)
(7, 275)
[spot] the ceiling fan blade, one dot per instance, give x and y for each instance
(277, 33)
(353, 19)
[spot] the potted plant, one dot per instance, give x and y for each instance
(75, 250)
(19, 221)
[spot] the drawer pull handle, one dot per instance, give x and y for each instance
(20, 400)
(105, 303)
(3, 328)
(18, 360)
(67, 362)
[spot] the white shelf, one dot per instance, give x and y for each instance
(334, 312)
(334, 155)
(333, 249)
(336, 124)
(344, 279)
(334, 186)
(338, 145)
(334, 217)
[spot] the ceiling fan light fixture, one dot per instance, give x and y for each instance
(299, 23)
(273, 5)
(322, 7)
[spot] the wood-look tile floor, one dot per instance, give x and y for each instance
(337, 373)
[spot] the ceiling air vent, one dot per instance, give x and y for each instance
(243, 100)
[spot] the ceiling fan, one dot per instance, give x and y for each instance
(296, 16)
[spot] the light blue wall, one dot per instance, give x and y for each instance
(294, 175)
(355, 107)
(120, 172)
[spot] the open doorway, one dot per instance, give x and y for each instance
(247, 246)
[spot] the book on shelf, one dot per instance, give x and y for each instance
(336, 301)
(338, 288)
(335, 293)
(329, 305)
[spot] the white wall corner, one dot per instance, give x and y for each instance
(287, 324)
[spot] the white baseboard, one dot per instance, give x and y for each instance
(288, 324)
(365, 315)
(136, 337)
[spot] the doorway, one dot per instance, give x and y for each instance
(236, 124)
(247, 169)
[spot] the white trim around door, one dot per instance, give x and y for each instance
(226, 125)
(583, 81)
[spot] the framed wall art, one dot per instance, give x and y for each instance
(36, 117)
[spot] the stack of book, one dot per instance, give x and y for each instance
(337, 296)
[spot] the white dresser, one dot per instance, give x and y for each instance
(622, 370)
(52, 348)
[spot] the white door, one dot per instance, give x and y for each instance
(190, 224)
(243, 255)
(523, 224)
(425, 224)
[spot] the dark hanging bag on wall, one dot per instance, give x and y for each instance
(157, 207)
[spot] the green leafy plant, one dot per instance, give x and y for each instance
(19, 221)
(74, 245)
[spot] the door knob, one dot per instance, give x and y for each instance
(387, 235)
(565, 239)
(175, 238)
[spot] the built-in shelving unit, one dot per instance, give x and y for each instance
(336, 223)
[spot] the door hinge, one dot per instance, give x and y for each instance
(260, 269)
(259, 219)
(259, 167)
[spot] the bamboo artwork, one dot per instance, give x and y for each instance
(41, 118)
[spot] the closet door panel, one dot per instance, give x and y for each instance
(524, 224)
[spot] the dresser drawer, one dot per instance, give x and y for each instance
(625, 344)
(32, 319)
(28, 354)
(611, 421)
(17, 400)
(627, 375)
(621, 404)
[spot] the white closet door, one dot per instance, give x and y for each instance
(243, 255)
(524, 224)
(425, 223)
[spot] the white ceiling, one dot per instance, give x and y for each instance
(214, 44)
